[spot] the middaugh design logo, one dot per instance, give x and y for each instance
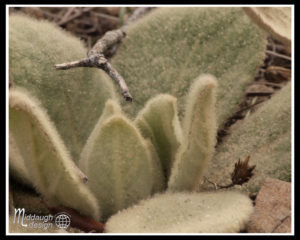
(62, 220)
(20, 211)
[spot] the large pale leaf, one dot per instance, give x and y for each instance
(49, 165)
(111, 108)
(118, 165)
(159, 122)
(216, 212)
(17, 167)
(167, 49)
(199, 128)
(74, 99)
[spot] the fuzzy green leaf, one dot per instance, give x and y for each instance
(159, 122)
(46, 158)
(266, 137)
(199, 128)
(118, 165)
(17, 167)
(220, 212)
(159, 179)
(111, 108)
(170, 47)
(74, 99)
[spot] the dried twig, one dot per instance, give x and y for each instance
(109, 39)
(271, 84)
(139, 12)
(65, 17)
(76, 15)
(255, 93)
(278, 47)
(96, 56)
(278, 55)
(277, 74)
(247, 107)
(103, 15)
(49, 15)
(207, 180)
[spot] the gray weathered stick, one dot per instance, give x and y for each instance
(96, 56)
(278, 55)
(109, 39)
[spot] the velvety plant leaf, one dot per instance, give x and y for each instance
(199, 136)
(118, 165)
(170, 47)
(266, 137)
(158, 121)
(215, 212)
(74, 99)
(48, 163)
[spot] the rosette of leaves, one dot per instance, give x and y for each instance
(172, 74)
(163, 149)
(265, 135)
(116, 150)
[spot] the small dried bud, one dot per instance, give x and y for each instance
(242, 172)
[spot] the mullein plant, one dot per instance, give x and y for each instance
(137, 170)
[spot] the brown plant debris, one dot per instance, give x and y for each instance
(277, 74)
(271, 76)
(241, 174)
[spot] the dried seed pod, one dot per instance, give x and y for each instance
(242, 172)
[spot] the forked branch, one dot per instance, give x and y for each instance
(96, 56)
